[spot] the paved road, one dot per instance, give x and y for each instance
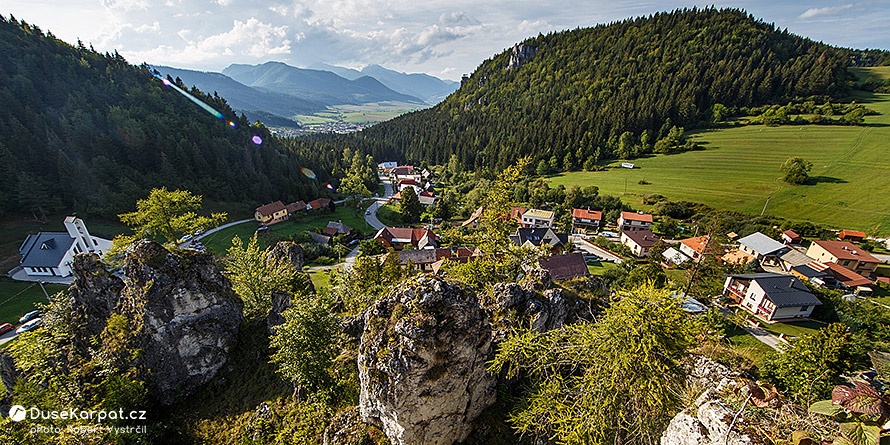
(764, 336)
(371, 213)
(591, 248)
(883, 258)
(224, 226)
(7, 337)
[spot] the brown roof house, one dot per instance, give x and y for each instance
(271, 213)
(294, 207)
(320, 203)
(564, 267)
(335, 228)
(639, 241)
(851, 235)
(845, 254)
(583, 220)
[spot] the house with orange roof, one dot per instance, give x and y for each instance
(633, 221)
(854, 236)
(271, 213)
(584, 220)
(694, 247)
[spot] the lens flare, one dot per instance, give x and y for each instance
(257, 140)
(231, 124)
(330, 187)
(188, 96)
(309, 173)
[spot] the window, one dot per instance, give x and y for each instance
(803, 308)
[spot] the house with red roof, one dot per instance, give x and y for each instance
(271, 213)
(845, 254)
(399, 237)
(317, 204)
(633, 221)
(790, 237)
(584, 220)
(854, 236)
(694, 247)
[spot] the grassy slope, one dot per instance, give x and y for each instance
(739, 169)
(220, 241)
(18, 298)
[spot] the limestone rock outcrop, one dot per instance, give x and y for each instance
(185, 310)
(520, 54)
(422, 363)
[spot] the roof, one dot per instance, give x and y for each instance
(539, 236)
(408, 182)
(405, 235)
(674, 256)
(809, 272)
(795, 258)
(337, 228)
(587, 214)
(697, 244)
(516, 212)
(402, 170)
(634, 216)
(46, 249)
(295, 206)
(428, 200)
(318, 204)
(785, 290)
(761, 243)
(846, 276)
(791, 234)
(424, 256)
(476, 214)
(563, 267)
(845, 250)
(642, 238)
(270, 209)
(537, 213)
(851, 234)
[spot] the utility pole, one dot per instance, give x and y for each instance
(44, 290)
(764, 205)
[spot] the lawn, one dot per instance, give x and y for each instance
(739, 170)
(794, 329)
(748, 345)
(320, 278)
(389, 214)
(218, 242)
(18, 298)
(599, 267)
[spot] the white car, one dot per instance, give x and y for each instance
(185, 239)
(29, 325)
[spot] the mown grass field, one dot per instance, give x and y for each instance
(219, 242)
(19, 298)
(740, 168)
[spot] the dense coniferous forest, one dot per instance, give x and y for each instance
(90, 132)
(615, 90)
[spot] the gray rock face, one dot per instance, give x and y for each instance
(520, 54)
(524, 304)
(187, 314)
(708, 421)
(8, 373)
(422, 363)
(281, 301)
(290, 253)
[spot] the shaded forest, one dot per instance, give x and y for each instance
(89, 132)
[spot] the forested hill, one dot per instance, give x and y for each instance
(576, 92)
(89, 132)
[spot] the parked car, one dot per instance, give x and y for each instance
(198, 232)
(33, 324)
(185, 239)
(262, 229)
(5, 327)
(29, 316)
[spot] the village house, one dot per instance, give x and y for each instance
(673, 258)
(516, 214)
(632, 221)
(271, 213)
(387, 165)
(584, 220)
(535, 218)
(694, 247)
(295, 207)
(318, 204)
(51, 253)
(337, 228)
(425, 259)
(845, 254)
(428, 199)
(853, 236)
(541, 236)
(398, 238)
(847, 279)
(770, 296)
(565, 267)
(639, 241)
(790, 237)
(762, 248)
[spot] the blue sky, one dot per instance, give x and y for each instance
(444, 38)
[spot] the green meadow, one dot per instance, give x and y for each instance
(739, 169)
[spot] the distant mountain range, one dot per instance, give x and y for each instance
(429, 88)
(275, 92)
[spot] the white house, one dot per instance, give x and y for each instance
(762, 247)
(536, 218)
(51, 253)
(385, 165)
(771, 296)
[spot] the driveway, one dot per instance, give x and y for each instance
(224, 226)
(764, 336)
(593, 249)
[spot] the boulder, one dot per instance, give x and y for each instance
(188, 313)
(422, 363)
(281, 301)
(94, 295)
(520, 54)
(513, 306)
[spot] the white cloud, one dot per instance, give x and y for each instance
(824, 12)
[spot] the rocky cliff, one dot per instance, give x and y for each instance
(422, 363)
(184, 310)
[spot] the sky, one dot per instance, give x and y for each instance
(444, 38)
